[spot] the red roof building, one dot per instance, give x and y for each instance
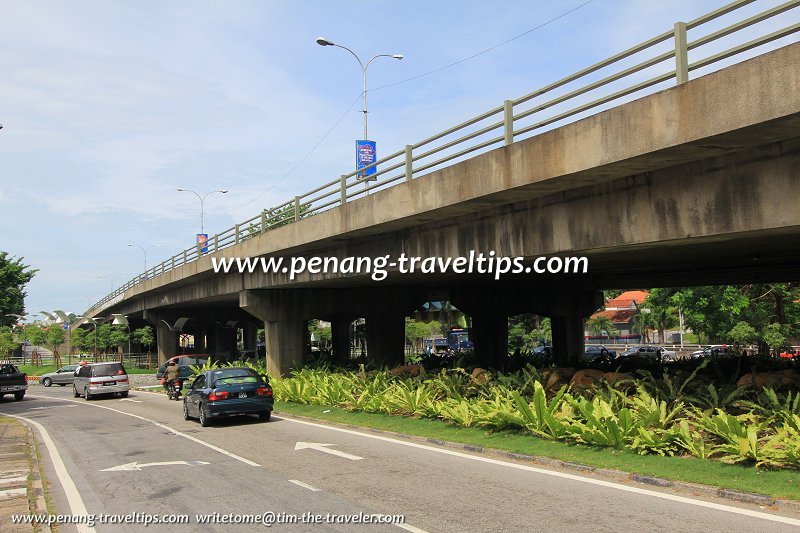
(622, 310)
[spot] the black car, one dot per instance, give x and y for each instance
(228, 391)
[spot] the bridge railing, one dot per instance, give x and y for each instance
(606, 83)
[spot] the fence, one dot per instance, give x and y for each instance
(668, 61)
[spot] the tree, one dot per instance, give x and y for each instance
(144, 337)
(55, 336)
(774, 337)
(81, 339)
(743, 333)
(7, 342)
(601, 325)
(117, 336)
(14, 275)
(663, 312)
(416, 331)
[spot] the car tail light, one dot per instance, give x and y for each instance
(217, 395)
(264, 391)
(122, 380)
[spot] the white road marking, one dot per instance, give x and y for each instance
(130, 400)
(159, 424)
(411, 528)
(564, 475)
(135, 467)
(10, 493)
(324, 448)
(304, 485)
(73, 496)
(47, 407)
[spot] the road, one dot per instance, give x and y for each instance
(243, 466)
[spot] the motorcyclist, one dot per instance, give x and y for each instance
(171, 373)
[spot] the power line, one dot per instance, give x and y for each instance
(276, 182)
(473, 56)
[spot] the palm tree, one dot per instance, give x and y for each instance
(601, 324)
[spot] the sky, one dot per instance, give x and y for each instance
(108, 107)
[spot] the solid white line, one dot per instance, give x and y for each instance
(73, 496)
(573, 477)
(159, 424)
(411, 528)
(304, 485)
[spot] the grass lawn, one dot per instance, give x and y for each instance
(777, 483)
(32, 370)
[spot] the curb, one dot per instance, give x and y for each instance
(615, 475)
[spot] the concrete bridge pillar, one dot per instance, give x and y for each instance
(250, 336)
(285, 329)
(225, 342)
(490, 336)
(386, 340)
(568, 339)
(167, 342)
(341, 328)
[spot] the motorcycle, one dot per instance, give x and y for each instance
(174, 389)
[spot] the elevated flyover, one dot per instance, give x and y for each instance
(697, 183)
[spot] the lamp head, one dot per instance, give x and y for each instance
(322, 41)
(224, 191)
(398, 56)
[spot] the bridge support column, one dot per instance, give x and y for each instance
(250, 337)
(225, 342)
(490, 337)
(568, 339)
(167, 342)
(341, 329)
(285, 344)
(386, 340)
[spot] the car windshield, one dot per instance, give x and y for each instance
(234, 376)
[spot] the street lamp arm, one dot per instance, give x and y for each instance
(394, 56)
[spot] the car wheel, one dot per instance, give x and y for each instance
(47, 382)
(19, 395)
(264, 417)
(186, 411)
(205, 420)
(86, 395)
(123, 394)
(75, 392)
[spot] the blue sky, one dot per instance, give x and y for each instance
(108, 107)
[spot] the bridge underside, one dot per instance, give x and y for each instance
(673, 189)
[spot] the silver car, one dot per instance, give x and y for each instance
(63, 376)
(100, 378)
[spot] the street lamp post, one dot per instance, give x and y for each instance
(111, 280)
(202, 200)
(325, 42)
(364, 66)
(144, 251)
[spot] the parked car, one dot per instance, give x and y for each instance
(714, 349)
(63, 376)
(12, 381)
(597, 354)
(228, 391)
(100, 378)
(184, 362)
(656, 353)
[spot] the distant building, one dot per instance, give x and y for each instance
(622, 311)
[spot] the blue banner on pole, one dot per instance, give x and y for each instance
(366, 154)
(202, 242)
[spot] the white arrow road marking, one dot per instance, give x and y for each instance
(138, 466)
(322, 448)
(130, 400)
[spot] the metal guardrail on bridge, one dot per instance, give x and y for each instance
(504, 124)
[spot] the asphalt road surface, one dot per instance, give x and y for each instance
(241, 466)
